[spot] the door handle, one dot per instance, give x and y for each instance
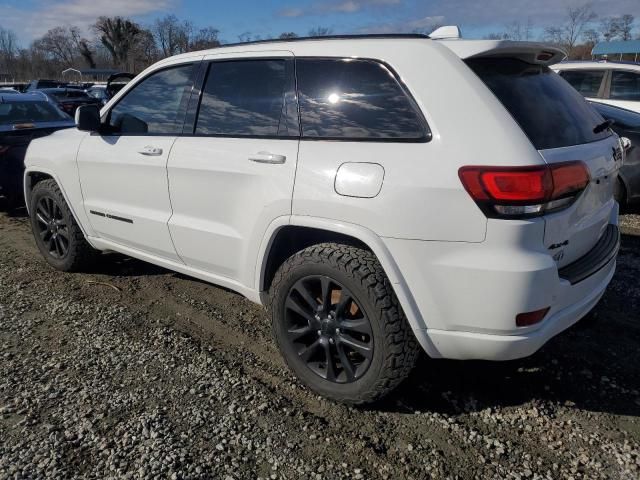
(151, 151)
(266, 157)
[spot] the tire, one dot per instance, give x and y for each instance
(56, 232)
(340, 276)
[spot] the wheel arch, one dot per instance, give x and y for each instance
(36, 174)
(288, 237)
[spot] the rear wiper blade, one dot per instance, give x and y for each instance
(601, 127)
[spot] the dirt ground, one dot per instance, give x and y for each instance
(132, 371)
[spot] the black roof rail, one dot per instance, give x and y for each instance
(332, 37)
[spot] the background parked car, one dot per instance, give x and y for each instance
(98, 92)
(613, 83)
(69, 99)
(626, 124)
(43, 83)
(23, 117)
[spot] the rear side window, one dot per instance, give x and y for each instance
(156, 105)
(625, 86)
(550, 112)
(587, 82)
(248, 98)
(347, 99)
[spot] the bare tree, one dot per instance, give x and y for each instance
(518, 31)
(172, 35)
(8, 42)
(576, 21)
(287, 35)
(609, 28)
(591, 36)
(61, 44)
(625, 26)
(495, 36)
(118, 35)
(8, 51)
(205, 38)
(145, 52)
(320, 32)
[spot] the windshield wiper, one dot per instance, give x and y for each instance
(601, 127)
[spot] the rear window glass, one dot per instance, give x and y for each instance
(550, 112)
(28, 112)
(587, 82)
(355, 99)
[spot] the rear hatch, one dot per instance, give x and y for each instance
(563, 127)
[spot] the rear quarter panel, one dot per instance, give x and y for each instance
(421, 196)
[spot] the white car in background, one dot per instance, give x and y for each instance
(614, 83)
(377, 193)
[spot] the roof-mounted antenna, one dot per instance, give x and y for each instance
(446, 32)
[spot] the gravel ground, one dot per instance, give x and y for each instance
(131, 371)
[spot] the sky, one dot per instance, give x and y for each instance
(31, 18)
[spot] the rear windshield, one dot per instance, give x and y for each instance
(29, 112)
(550, 112)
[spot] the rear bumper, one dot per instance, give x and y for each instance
(468, 295)
(467, 346)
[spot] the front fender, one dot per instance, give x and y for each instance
(55, 156)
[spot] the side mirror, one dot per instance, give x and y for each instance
(626, 143)
(88, 118)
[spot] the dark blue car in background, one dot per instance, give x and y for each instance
(23, 117)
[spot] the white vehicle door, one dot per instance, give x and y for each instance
(233, 174)
(123, 169)
(625, 90)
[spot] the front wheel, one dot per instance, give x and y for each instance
(58, 236)
(338, 324)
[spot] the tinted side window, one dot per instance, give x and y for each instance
(587, 82)
(625, 86)
(156, 105)
(248, 98)
(355, 99)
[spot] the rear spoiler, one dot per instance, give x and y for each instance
(530, 52)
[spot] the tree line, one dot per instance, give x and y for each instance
(577, 32)
(111, 43)
(123, 44)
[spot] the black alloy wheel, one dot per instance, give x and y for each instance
(52, 227)
(327, 328)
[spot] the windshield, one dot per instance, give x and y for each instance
(29, 112)
(549, 110)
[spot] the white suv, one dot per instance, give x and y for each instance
(379, 194)
(613, 83)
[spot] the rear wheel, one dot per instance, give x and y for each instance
(338, 324)
(57, 235)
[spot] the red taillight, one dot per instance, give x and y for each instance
(524, 191)
(531, 318)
